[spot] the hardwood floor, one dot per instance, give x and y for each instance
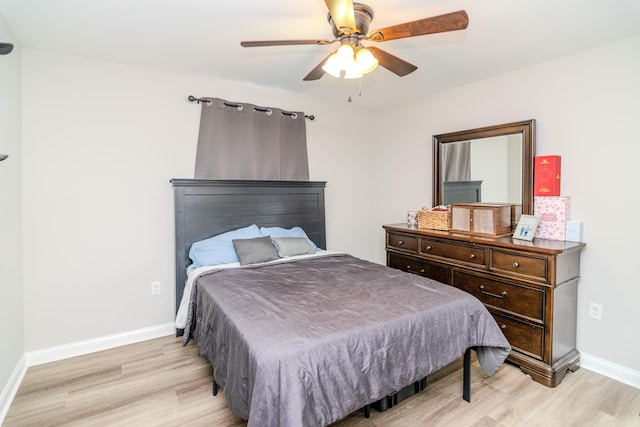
(161, 383)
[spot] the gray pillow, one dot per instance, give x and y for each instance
(290, 246)
(254, 251)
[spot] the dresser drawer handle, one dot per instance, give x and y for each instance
(516, 265)
(422, 271)
(401, 242)
(408, 267)
(503, 326)
(472, 256)
(501, 296)
(427, 248)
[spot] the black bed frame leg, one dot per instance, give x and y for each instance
(215, 388)
(466, 376)
(367, 410)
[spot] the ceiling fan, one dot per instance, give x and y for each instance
(350, 25)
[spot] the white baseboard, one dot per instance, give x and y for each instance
(611, 370)
(52, 354)
(11, 388)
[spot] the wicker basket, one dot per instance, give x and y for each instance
(434, 220)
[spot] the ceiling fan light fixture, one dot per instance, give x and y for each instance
(340, 61)
(352, 74)
(365, 61)
(348, 64)
(332, 66)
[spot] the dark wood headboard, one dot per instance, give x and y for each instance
(204, 208)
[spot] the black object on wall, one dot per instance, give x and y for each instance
(5, 48)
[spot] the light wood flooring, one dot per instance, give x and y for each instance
(160, 383)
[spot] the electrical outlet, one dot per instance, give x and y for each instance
(595, 311)
(155, 288)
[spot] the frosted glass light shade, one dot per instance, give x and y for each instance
(346, 63)
(341, 61)
(365, 61)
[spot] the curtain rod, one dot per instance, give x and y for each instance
(192, 98)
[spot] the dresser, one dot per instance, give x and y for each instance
(530, 288)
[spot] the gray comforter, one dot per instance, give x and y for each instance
(306, 343)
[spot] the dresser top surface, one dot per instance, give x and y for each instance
(538, 245)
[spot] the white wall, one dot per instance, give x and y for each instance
(587, 110)
(101, 142)
(11, 318)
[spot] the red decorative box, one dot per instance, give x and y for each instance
(546, 176)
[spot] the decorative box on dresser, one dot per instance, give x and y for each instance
(529, 287)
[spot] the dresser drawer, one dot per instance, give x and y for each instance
(423, 268)
(403, 242)
(520, 265)
(519, 300)
(465, 253)
(524, 337)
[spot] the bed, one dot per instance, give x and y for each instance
(309, 339)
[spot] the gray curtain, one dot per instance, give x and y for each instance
(456, 159)
(244, 141)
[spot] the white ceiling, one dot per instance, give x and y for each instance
(202, 38)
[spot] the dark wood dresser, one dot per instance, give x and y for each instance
(529, 287)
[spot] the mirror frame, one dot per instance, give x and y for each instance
(525, 128)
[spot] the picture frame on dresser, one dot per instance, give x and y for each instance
(526, 228)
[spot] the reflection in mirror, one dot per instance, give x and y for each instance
(489, 165)
(483, 170)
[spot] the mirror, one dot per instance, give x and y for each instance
(493, 164)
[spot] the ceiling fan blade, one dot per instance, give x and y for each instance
(341, 12)
(436, 24)
(261, 43)
(317, 72)
(392, 63)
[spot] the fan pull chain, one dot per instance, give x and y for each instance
(349, 99)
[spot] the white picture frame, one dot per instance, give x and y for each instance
(526, 228)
